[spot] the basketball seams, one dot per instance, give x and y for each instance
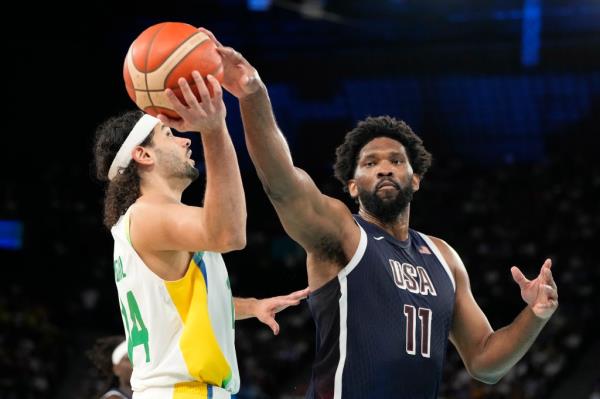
(172, 59)
(146, 58)
(152, 95)
(148, 86)
(171, 62)
(178, 49)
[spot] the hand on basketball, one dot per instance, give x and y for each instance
(540, 294)
(239, 77)
(266, 309)
(204, 114)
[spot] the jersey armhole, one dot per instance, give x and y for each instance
(434, 248)
(358, 254)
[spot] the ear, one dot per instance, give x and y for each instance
(142, 156)
(352, 188)
(416, 182)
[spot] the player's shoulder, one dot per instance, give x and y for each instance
(448, 252)
(440, 243)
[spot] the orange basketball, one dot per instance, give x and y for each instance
(160, 56)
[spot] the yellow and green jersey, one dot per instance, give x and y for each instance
(180, 334)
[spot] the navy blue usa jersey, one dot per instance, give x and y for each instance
(383, 323)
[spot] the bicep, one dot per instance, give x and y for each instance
(470, 327)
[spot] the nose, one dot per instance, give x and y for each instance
(384, 173)
(186, 142)
(385, 169)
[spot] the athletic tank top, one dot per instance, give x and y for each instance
(383, 322)
(180, 334)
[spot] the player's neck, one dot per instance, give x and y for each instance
(158, 187)
(398, 228)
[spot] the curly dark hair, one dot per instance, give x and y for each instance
(101, 357)
(371, 128)
(124, 189)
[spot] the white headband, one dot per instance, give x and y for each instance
(119, 352)
(138, 134)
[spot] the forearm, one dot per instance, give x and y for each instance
(244, 308)
(224, 200)
(505, 347)
(266, 145)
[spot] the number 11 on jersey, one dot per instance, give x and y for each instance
(425, 316)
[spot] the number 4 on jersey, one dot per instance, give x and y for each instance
(138, 335)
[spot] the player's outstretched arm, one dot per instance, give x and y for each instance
(487, 354)
(308, 216)
(266, 309)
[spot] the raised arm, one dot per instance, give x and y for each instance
(220, 225)
(487, 354)
(308, 216)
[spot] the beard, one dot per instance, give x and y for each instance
(190, 172)
(386, 209)
(178, 169)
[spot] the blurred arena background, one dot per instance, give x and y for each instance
(506, 95)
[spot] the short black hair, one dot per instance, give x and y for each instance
(371, 128)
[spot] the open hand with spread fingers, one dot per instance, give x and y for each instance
(265, 309)
(541, 294)
(203, 114)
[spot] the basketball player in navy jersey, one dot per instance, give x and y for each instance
(385, 298)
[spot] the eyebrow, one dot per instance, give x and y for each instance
(376, 153)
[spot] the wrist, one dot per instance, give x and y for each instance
(245, 308)
(260, 90)
(539, 317)
(213, 130)
(252, 307)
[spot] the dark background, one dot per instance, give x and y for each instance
(506, 95)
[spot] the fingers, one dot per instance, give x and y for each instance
(549, 279)
(175, 103)
(547, 265)
(170, 122)
(202, 89)
(282, 303)
(518, 276)
(215, 86)
(231, 55)
(188, 94)
(549, 292)
(211, 36)
(272, 324)
(300, 294)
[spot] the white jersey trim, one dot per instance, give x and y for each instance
(113, 392)
(343, 280)
(440, 257)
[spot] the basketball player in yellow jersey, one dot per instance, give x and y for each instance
(173, 287)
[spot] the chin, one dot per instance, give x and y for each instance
(387, 197)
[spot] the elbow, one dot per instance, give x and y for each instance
(489, 377)
(237, 243)
(234, 241)
(486, 378)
